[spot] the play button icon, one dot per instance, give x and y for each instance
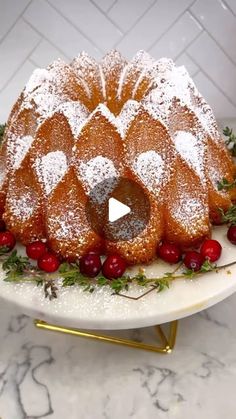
(116, 210)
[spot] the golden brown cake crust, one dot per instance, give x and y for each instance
(76, 124)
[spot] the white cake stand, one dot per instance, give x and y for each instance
(102, 310)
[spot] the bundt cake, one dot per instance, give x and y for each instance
(75, 125)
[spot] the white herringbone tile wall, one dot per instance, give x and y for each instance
(201, 34)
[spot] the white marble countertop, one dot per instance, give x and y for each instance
(50, 375)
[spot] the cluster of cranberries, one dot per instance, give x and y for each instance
(90, 265)
(114, 266)
(210, 250)
(37, 250)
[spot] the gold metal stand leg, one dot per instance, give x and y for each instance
(166, 346)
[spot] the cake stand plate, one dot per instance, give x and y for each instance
(101, 310)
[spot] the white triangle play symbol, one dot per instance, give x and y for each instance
(116, 210)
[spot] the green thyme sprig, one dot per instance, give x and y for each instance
(15, 266)
(2, 130)
(231, 140)
(225, 185)
(71, 275)
(229, 216)
(19, 269)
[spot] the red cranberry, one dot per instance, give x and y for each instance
(7, 240)
(36, 249)
(90, 265)
(231, 234)
(193, 260)
(169, 253)
(48, 262)
(114, 267)
(2, 225)
(211, 250)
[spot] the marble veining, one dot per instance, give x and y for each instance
(48, 375)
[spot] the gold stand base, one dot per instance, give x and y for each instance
(166, 346)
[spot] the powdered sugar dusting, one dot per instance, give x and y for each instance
(82, 63)
(76, 113)
(175, 83)
(190, 212)
(97, 170)
(121, 81)
(139, 62)
(111, 60)
(100, 177)
(40, 92)
(46, 89)
(50, 169)
(207, 119)
(51, 90)
(149, 166)
(2, 172)
(191, 150)
(142, 59)
(39, 76)
(172, 84)
(66, 227)
(215, 176)
(103, 82)
(103, 109)
(126, 116)
(17, 150)
(23, 207)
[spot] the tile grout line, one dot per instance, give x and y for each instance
(15, 22)
(208, 77)
(170, 26)
(33, 62)
(107, 17)
(45, 38)
(214, 40)
(21, 65)
(195, 73)
(186, 45)
(228, 7)
(75, 27)
(110, 7)
(135, 23)
(189, 45)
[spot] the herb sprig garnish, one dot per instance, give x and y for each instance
(225, 185)
(2, 130)
(71, 276)
(231, 140)
(229, 216)
(19, 269)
